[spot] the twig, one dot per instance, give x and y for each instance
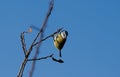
(50, 56)
(23, 43)
(41, 58)
(48, 36)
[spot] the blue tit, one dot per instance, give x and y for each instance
(59, 40)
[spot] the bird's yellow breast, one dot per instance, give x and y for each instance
(59, 42)
(60, 38)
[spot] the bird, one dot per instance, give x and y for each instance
(59, 40)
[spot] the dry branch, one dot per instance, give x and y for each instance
(49, 56)
(34, 59)
(23, 43)
(48, 36)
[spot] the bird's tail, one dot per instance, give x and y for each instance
(60, 54)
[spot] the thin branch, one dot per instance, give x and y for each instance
(23, 42)
(48, 36)
(34, 59)
(49, 56)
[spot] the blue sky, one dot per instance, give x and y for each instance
(92, 48)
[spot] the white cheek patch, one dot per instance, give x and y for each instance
(63, 34)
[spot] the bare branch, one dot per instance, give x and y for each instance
(41, 58)
(23, 43)
(48, 36)
(50, 56)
